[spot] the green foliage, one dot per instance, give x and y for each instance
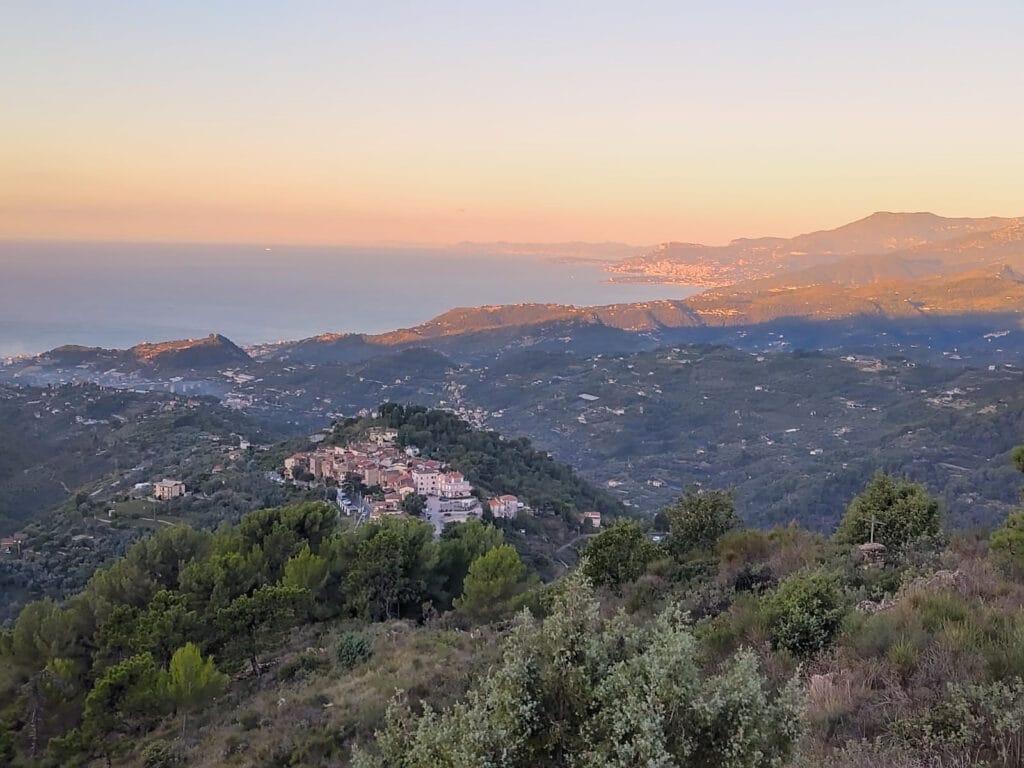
(235, 593)
(1007, 543)
(903, 513)
(1017, 457)
(41, 632)
(125, 700)
(618, 555)
(393, 572)
(193, 681)
(414, 504)
(904, 656)
(353, 649)
(982, 724)
(805, 612)
(496, 464)
(165, 625)
(459, 546)
(577, 690)
(307, 571)
(699, 519)
(253, 623)
(160, 754)
(494, 580)
(272, 536)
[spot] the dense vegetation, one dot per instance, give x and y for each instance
(69, 459)
(88, 677)
(796, 434)
(719, 646)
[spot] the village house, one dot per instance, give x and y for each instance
(506, 506)
(11, 545)
(165, 489)
(425, 481)
(593, 517)
(294, 462)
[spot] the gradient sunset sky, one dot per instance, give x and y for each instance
(433, 122)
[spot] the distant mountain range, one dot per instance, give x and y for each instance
(884, 273)
(880, 246)
(978, 302)
(994, 296)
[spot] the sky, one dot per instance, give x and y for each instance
(436, 122)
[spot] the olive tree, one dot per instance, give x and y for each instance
(578, 690)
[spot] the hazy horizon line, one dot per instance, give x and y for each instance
(441, 245)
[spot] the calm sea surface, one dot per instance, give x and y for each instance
(119, 295)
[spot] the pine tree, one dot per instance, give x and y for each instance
(193, 681)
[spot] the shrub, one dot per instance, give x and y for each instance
(902, 512)
(936, 609)
(618, 555)
(984, 723)
(805, 613)
(353, 649)
(1007, 544)
(873, 636)
(304, 665)
(753, 577)
(699, 520)
(160, 754)
(904, 656)
(743, 546)
(728, 631)
(249, 721)
(579, 690)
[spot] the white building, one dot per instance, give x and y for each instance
(452, 485)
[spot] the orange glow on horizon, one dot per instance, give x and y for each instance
(381, 123)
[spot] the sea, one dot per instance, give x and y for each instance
(117, 295)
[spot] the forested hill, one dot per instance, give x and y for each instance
(489, 461)
(207, 353)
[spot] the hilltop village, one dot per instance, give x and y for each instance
(376, 478)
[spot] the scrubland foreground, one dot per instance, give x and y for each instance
(287, 640)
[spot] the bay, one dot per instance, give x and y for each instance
(117, 295)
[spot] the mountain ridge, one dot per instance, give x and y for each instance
(931, 267)
(747, 259)
(177, 354)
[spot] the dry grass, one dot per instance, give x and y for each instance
(314, 718)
